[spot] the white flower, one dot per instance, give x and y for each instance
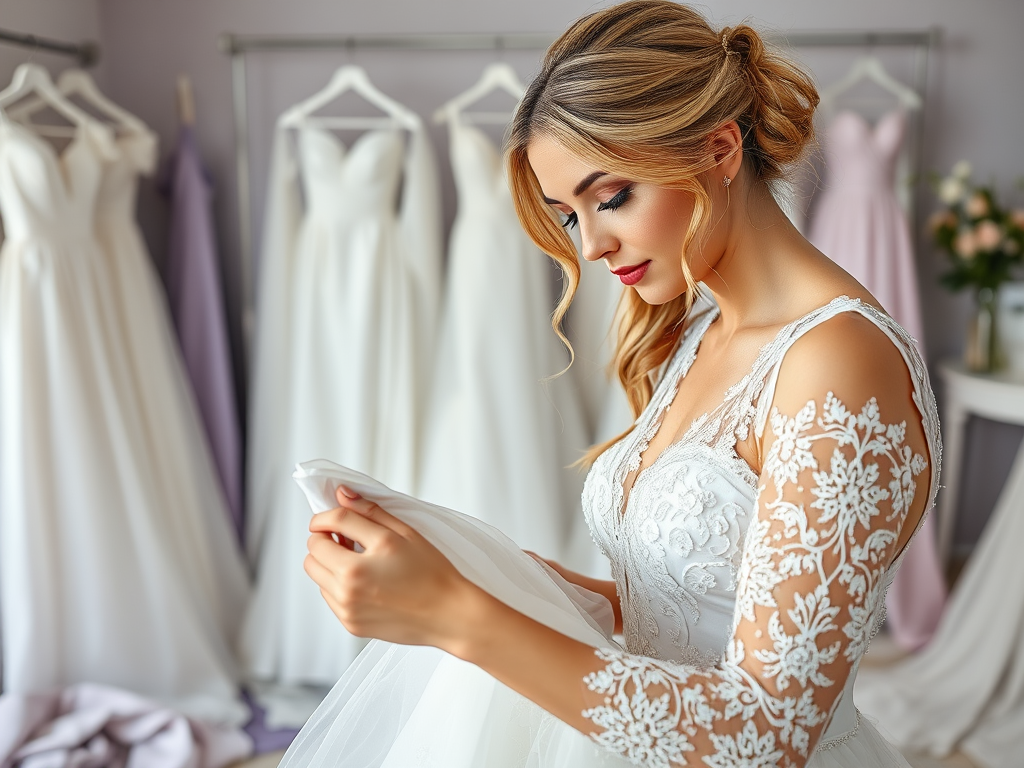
(951, 191)
(977, 206)
(747, 750)
(962, 170)
(988, 235)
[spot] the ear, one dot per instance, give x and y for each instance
(727, 147)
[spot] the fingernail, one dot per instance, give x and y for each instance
(348, 492)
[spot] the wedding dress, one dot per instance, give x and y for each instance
(117, 563)
(694, 553)
(500, 439)
(344, 320)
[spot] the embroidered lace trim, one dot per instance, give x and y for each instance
(836, 489)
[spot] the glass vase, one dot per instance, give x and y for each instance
(983, 353)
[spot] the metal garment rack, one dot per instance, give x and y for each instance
(238, 46)
(87, 53)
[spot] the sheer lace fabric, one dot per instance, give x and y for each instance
(748, 602)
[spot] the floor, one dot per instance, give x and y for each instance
(883, 651)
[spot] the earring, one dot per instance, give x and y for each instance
(726, 181)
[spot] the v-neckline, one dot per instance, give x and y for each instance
(667, 397)
(58, 158)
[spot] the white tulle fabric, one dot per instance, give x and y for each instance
(688, 576)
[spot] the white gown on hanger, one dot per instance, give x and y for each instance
(499, 438)
(117, 563)
(336, 357)
(690, 573)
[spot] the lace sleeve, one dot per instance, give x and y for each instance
(835, 490)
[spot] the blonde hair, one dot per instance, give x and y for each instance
(637, 90)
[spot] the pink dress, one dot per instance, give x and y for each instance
(860, 224)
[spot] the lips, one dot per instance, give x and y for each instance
(632, 275)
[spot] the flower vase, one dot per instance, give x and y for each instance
(983, 353)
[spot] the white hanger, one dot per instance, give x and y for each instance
(348, 78)
(497, 75)
(32, 78)
(78, 82)
(870, 68)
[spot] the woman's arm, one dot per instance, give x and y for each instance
(838, 485)
(603, 587)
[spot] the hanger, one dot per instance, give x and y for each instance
(495, 76)
(350, 78)
(33, 79)
(78, 82)
(870, 68)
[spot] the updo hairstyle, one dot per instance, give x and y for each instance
(636, 90)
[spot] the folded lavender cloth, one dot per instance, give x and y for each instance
(95, 726)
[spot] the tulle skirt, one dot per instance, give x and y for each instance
(418, 707)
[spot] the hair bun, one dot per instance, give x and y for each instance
(783, 102)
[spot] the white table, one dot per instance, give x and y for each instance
(996, 396)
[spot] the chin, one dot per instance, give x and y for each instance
(656, 294)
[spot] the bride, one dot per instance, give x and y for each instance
(785, 451)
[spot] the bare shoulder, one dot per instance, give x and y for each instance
(851, 357)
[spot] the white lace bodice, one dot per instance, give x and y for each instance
(705, 551)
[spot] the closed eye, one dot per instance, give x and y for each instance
(617, 201)
(570, 221)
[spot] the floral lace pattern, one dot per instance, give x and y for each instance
(839, 486)
(746, 609)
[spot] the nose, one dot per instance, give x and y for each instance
(595, 244)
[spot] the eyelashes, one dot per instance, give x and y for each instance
(572, 220)
(618, 201)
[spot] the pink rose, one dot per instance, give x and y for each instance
(987, 235)
(965, 245)
(977, 206)
(941, 219)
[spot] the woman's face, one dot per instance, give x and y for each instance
(638, 229)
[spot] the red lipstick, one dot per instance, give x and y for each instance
(632, 275)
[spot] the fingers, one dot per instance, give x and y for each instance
(327, 551)
(350, 525)
(349, 499)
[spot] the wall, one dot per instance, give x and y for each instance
(147, 43)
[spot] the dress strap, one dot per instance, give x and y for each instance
(923, 397)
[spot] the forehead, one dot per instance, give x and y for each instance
(557, 168)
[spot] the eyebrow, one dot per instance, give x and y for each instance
(581, 187)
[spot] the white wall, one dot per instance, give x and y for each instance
(975, 108)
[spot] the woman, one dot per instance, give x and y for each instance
(786, 447)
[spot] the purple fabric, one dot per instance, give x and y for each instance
(265, 739)
(197, 305)
(95, 726)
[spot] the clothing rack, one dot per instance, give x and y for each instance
(87, 53)
(238, 46)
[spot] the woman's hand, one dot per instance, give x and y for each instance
(400, 588)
